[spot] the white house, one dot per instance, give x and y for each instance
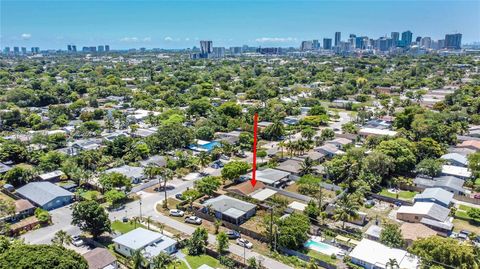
(372, 255)
(149, 242)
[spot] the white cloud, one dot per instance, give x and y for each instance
(275, 39)
(187, 39)
(168, 38)
(147, 39)
(129, 39)
(26, 36)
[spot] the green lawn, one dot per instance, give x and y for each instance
(321, 256)
(464, 207)
(197, 261)
(124, 227)
(477, 181)
(403, 195)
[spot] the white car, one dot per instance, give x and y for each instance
(193, 220)
(77, 241)
(244, 243)
(176, 213)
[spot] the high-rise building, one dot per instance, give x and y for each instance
(69, 48)
(338, 38)
(453, 41)
(407, 38)
(359, 42)
(327, 43)
(218, 52)
(6, 50)
(316, 44)
(107, 48)
(74, 48)
(395, 38)
(101, 48)
(24, 50)
(16, 50)
(441, 44)
(206, 46)
(306, 45)
(426, 42)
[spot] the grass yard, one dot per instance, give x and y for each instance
(5, 197)
(402, 195)
(125, 227)
(322, 257)
(465, 225)
(197, 261)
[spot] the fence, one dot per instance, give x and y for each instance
(293, 195)
(389, 199)
(466, 199)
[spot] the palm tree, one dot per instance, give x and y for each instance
(152, 171)
(62, 238)
(346, 210)
(137, 259)
(281, 145)
(167, 174)
(149, 219)
(392, 264)
(203, 158)
(161, 261)
(307, 166)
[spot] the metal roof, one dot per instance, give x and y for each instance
(438, 194)
(42, 193)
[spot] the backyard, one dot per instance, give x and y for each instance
(402, 195)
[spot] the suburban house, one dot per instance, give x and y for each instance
(230, 209)
(314, 155)
(150, 243)
(373, 255)
(100, 258)
(23, 209)
(144, 132)
(45, 195)
(415, 231)
(270, 177)
(373, 232)
(246, 188)
(4, 168)
(456, 171)
(435, 195)
(156, 160)
(51, 176)
(455, 159)
(329, 150)
(365, 132)
(448, 183)
(340, 142)
(431, 214)
(231, 137)
(291, 166)
(132, 172)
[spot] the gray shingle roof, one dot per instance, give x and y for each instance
(229, 205)
(438, 194)
(456, 157)
(42, 193)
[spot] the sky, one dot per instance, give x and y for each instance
(52, 24)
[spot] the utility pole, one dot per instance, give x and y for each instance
(271, 227)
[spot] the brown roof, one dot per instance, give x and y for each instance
(22, 205)
(414, 231)
(470, 144)
(246, 187)
(99, 258)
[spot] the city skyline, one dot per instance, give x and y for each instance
(179, 25)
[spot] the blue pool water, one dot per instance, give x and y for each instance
(322, 247)
(210, 145)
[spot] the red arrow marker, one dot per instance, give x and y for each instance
(254, 165)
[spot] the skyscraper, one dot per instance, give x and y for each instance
(316, 44)
(306, 45)
(359, 42)
(453, 41)
(16, 50)
(101, 48)
(426, 42)
(395, 37)
(206, 46)
(69, 48)
(327, 43)
(107, 48)
(338, 38)
(218, 52)
(74, 48)
(24, 50)
(407, 38)
(6, 50)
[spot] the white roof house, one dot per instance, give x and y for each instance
(270, 176)
(371, 254)
(151, 243)
(456, 171)
(376, 132)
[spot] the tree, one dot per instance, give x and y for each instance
(7, 208)
(350, 128)
(62, 238)
(474, 213)
(306, 167)
(208, 185)
(222, 242)
(166, 174)
(252, 263)
(273, 131)
(262, 154)
(327, 134)
(19, 175)
(436, 250)
(312, 211)
(402, 151)
(292, 231)
(234, 170)
(114, 180)
(41, 257)
(392, 236)
(162, 261)
(474, 163)
(42, 215)
(308, 133)
(429, 148)
(114, 197)
(198, 242)
(346, 209)
(170, 137)
(429, 167)
(91, 217)
(137, 259)
(203, 158)
(190, 196)
(317, 110)
(392, 264)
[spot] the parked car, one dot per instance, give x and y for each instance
(124, 219)
(179, 196)
(176, 213)
(193, 220)
(77, 241)
(233, 234)
(244, 243)
(241, 154)
(476, 196)
(224, 157)
(162, 188)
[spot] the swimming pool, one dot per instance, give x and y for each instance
(210, 146)
(204, 145)
(322, 247)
